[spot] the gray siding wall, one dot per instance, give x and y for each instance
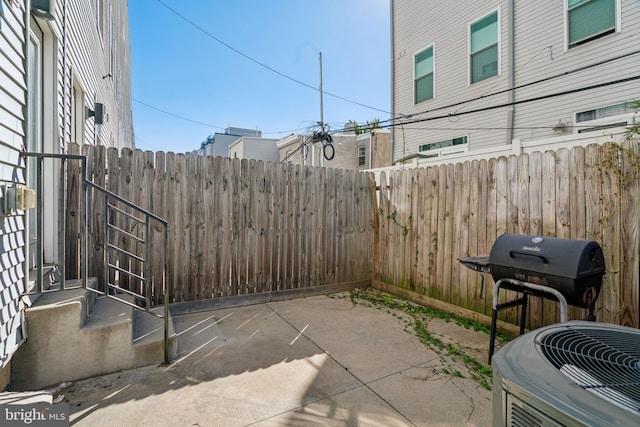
(445, 25)
(80, 49)
(539, 52)
(13, 93)
(96, 55)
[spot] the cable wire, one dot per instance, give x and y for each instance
(263, 65)
(546, 79)
(175, 115)
(508, 104)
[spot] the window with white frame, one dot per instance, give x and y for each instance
(484, 48)
(589, 19)
(608, 111)
(443, 144)
(423, 75)
(362, 160)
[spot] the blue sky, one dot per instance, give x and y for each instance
(178, 68)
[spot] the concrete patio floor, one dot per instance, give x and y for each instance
(316, 361)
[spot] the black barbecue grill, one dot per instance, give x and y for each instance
(565, 270)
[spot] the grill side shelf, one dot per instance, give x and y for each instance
(478, 263)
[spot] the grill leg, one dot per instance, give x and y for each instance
(492, 339)
(523, 313)
(592, 314)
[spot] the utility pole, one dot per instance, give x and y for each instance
(321, 106)
(321, 103)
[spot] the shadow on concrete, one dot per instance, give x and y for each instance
(314, 361)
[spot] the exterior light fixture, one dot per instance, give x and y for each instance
(97, 113)
(44, 9)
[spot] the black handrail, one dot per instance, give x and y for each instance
(148, 217)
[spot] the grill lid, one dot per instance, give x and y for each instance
(572, 259)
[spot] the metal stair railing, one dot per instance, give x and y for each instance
(117, 213)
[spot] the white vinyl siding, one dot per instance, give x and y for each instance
(69, 47)
(94, 59)
(423, 72)
(540, 52)
(448, 31)
(484, 48)
(536, 119)
(590, 19)
(13, 92)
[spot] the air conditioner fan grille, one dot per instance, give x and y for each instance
(603, 361)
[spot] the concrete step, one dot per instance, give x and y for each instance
(71, 335)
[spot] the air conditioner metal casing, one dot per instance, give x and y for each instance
(528, 390)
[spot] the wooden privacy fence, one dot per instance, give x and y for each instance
(429, 217)
(236, 227)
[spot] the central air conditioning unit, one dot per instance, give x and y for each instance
(575, 373)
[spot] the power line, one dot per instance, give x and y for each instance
(199, 122)
(175, 115)
(546, 79)
(263, 65)
(508, 104)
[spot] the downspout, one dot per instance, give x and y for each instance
(393, 56)
(511, 64)
(371, 136)
(66, 114)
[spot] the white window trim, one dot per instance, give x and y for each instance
(566, 21)
(364, 155)
(413, 82)
(445, 151)
(499, 11)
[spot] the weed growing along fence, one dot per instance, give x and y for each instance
(429, 217)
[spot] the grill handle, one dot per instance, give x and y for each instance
(513, 254)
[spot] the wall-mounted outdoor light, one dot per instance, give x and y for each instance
(97, 113)
(44, 9)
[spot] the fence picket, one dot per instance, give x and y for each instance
(238, 227)
(630, 230)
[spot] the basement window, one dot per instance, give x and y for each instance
(609, 111)
(443, 144)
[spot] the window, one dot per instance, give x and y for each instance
(603, 112)
(442, 144)
(361, 156)
(612, 116)
(483, 48)
(589, 20)
(77, 113)
(423, 72)
(287, 156)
